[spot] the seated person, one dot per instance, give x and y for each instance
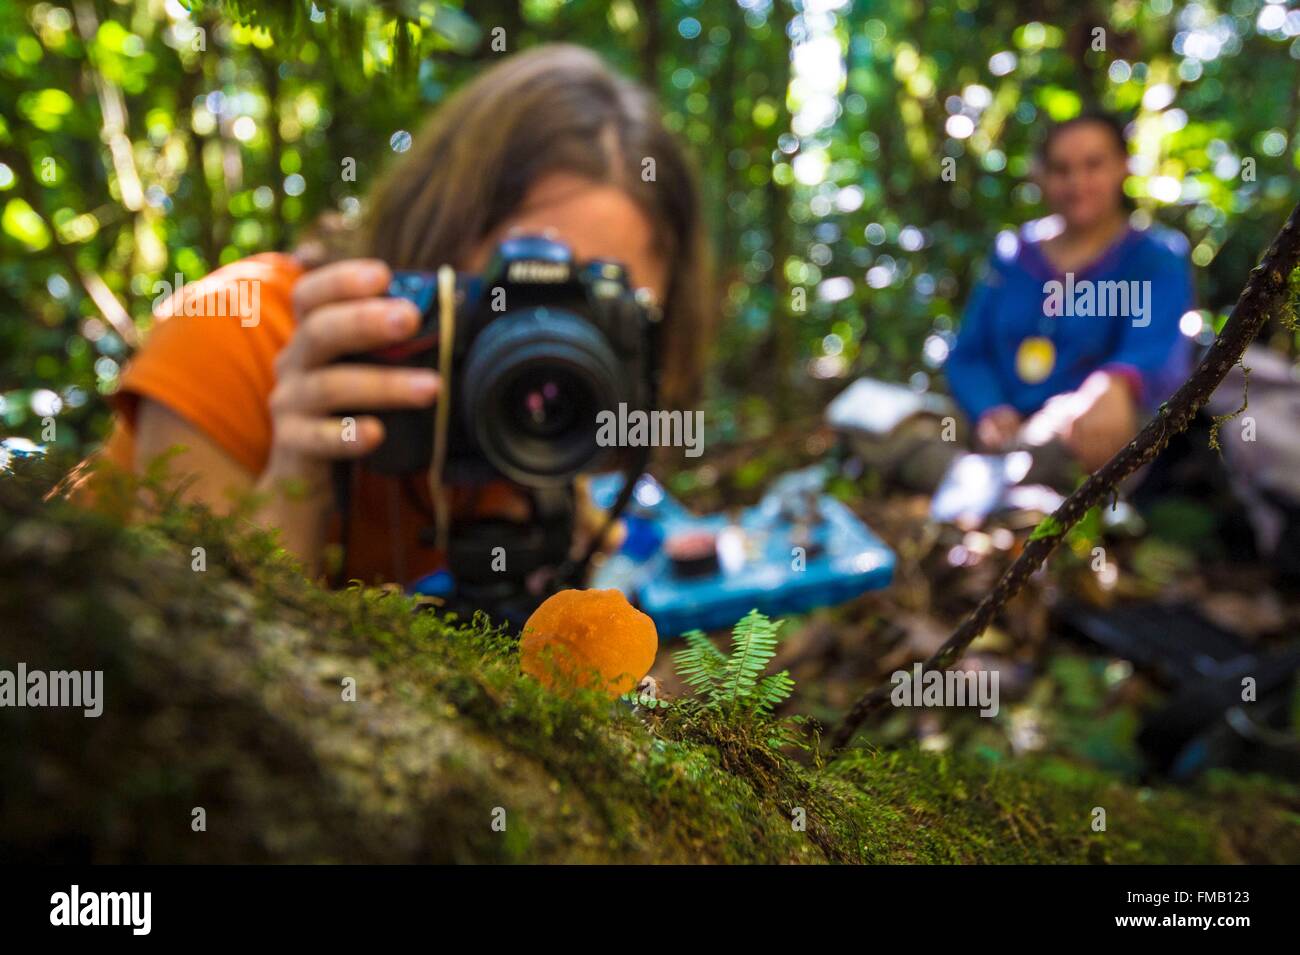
(1049, 356)
(550, 142)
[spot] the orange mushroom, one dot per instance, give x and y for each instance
(588, 638)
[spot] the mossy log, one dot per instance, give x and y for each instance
(226, 690)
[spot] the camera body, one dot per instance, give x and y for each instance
(542, 345)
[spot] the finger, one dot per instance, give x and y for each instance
(1092, 444)
(1074, 435)
(344, 387)
(353, 278)
(1096, 454)
(342, 328)
(591, 520)
(329, 437)
(1112, 441)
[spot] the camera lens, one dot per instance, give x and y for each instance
(545, 402)
(531, 388)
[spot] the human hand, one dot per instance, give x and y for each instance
(590, 520)
(341, 309)
(997, 428)
(1104, 419)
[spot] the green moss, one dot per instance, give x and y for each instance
(1049, 526)
(225, 690)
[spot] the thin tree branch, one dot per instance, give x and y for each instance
(652, 44)
(1267, 293)
(112, 111)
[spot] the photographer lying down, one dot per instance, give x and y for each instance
(1072, 336)
(578, 286)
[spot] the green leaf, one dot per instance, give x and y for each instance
(700, 664)
(21, 221)
(1049, 526)
(736, 678)
(46, 109)
(773, 690)
(753, 644)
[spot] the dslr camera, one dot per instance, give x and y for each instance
(543, 343)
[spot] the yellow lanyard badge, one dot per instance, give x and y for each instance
(1035, 359)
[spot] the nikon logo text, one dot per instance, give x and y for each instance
(539, 272)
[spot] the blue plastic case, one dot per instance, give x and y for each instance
(758, 563)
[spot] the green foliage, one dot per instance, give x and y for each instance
(1219, 420)
(130, 151)
(1087, 532)
(1049, 526)
(734, 681)
(700, 664)
(640, 698)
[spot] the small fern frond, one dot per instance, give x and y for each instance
(700, 664)
(773, 690)
(736, 679)
(753, 644)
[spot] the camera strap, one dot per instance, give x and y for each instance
(442, 412)
(573, 572)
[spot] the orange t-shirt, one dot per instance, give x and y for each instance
(210, 358)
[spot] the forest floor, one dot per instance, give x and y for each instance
(227, 702)
(1066, 697)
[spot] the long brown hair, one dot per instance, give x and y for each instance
(555, 108)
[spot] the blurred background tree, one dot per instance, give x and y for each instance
(859, 157)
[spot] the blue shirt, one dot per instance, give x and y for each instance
(1023, 296)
